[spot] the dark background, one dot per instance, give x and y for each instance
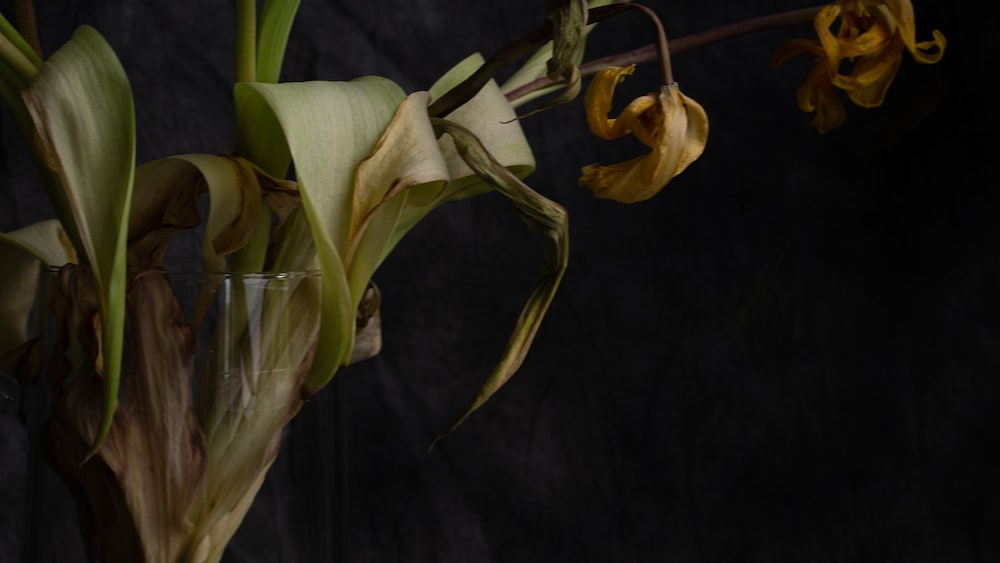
(790, 354)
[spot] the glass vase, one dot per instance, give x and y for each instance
(212, 372)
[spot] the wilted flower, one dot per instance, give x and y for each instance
(871, 37)
(673, 125)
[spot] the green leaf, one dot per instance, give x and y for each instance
(542, 215)
(329, 127)
(276, 21)
(81, 105)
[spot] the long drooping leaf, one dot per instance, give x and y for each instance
(81, 105)
(329, 127)
(542, 215)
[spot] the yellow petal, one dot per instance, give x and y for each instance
(696, 135)
(817, 95)
(927, 52)
(598, 101)
(920, 50)
(872, 38)
(676, 129)
(831, 46)
(870, 78)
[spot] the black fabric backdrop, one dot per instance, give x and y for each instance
(790, 354)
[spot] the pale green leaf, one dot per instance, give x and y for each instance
(492, 119)
(329, 128)
(81, 105)
(259, 135)
(406, 160)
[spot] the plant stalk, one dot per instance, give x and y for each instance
(246, 40)
(24, 12)
(18, 63)
(661, 48)
(507, 55)
(687, 43)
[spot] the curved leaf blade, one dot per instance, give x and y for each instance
(276, 21)
(406, 160)
(166, 198)
(81, 105)
(490, 117)
(329, 127)
(544, 216)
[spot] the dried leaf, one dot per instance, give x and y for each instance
(542, 215)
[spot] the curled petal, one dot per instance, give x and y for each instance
(862, 58)
(870, 78)
(597, 102)
(927, 52)
(822, 23)
(817, 95)
(868, 38)
(676, 129)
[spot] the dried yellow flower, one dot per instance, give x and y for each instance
(871, 36)
(673, 125)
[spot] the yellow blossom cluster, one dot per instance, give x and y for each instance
(861, 57)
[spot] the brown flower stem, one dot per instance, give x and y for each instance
(24, 11)
(661, 48)
(689, 42)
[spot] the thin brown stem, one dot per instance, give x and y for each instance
(661, 47)
(689, 42)
(27, 26)
(507, 55)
